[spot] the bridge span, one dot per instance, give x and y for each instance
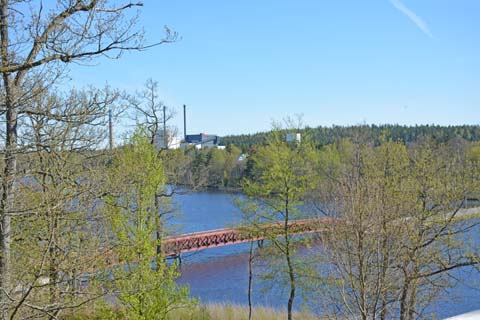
(174, 246)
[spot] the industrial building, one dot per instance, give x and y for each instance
(201, 140)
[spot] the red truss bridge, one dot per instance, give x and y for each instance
(174, 246)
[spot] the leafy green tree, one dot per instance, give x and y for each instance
(233, 170)
(282, 174)
(215, 165)
(144, 284)
(472, 165)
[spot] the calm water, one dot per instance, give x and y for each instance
(221, 274)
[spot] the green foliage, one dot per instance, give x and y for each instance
(280, 177)
(214, 167)
(148, 293)
(144, 289)
(282, 171)
(135, 177)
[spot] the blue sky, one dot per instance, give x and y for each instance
(241, 64)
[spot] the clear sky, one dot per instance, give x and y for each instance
(241, 64)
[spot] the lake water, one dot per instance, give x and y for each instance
(220, 275)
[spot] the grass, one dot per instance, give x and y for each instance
(208, 312)
(234, 312)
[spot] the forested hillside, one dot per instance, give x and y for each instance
(406, 134)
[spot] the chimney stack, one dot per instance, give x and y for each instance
(110, 129)
(165, 138)
(185, 122)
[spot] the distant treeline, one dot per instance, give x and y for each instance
(372, 133)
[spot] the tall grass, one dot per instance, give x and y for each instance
(234, 312)
(200, 312)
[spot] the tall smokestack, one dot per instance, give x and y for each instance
(165, 138)
(110, 129)
(185, 122)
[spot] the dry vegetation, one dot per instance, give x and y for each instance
(217, 312)
(234, 312)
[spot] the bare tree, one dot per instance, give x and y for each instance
(58, 228)
(152, 114)
(402, 229)
(37, 45)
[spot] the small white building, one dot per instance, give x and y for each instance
(294, 137)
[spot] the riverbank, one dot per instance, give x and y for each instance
(230, 190)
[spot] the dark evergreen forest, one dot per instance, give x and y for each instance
(372, 133)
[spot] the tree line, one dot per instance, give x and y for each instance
(374, 133)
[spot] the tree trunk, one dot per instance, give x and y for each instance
(6, 206)
(250, 280)
(385, 265)
(413, 301)
(289, 262)
(292, 285)
(53, 268)
(403, 300)
(158, 231)
(7, 196)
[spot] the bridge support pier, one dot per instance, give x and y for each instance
(178, 257)
(260, 243)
